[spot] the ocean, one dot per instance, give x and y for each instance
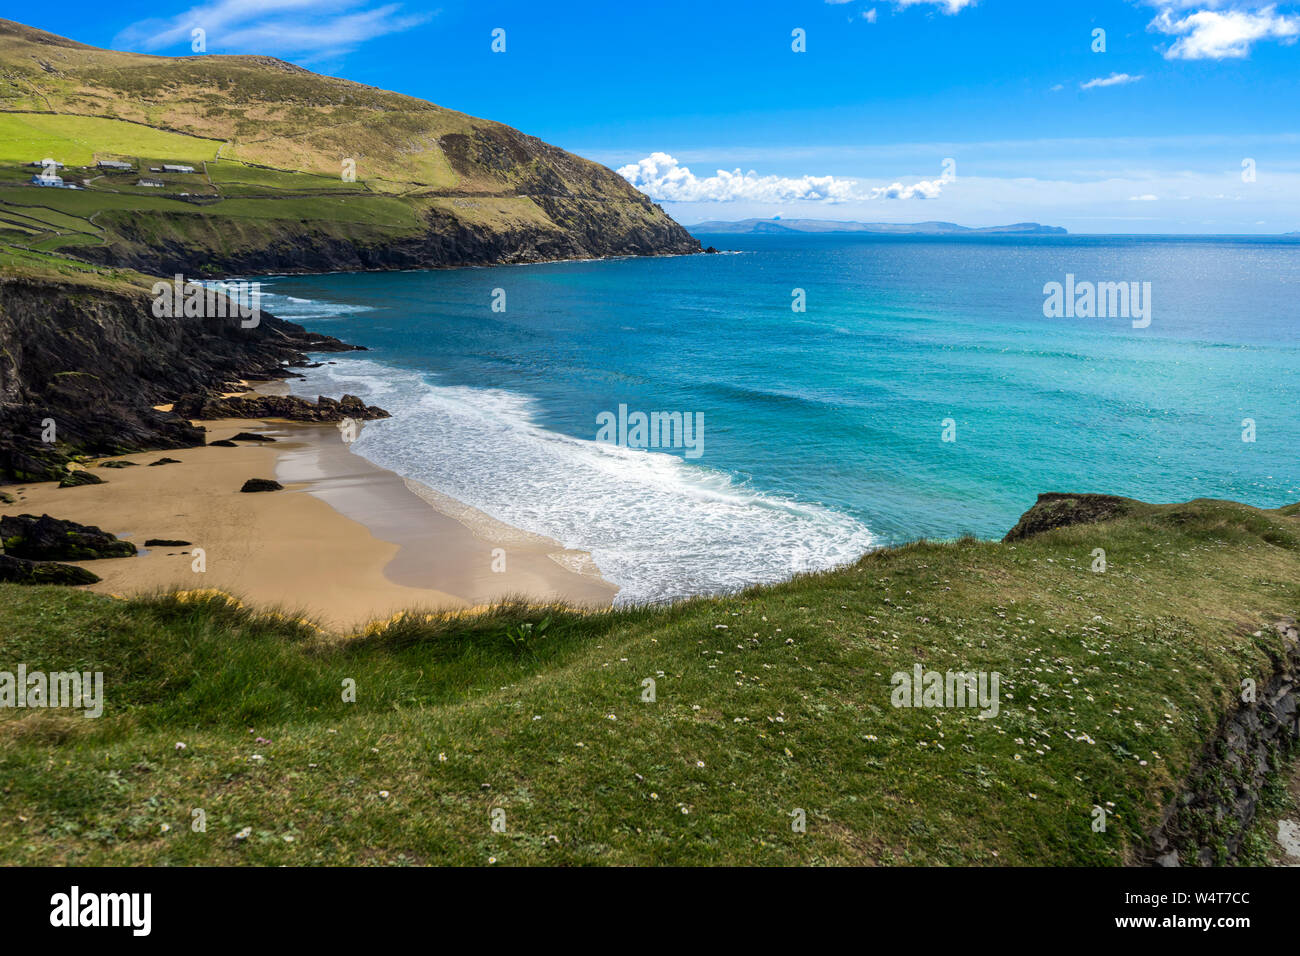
(921, 391)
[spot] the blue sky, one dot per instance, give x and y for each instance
(707, 107)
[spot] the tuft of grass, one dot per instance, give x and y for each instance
(526, 635)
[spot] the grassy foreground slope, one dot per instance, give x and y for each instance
(270, 144)
(767, 702)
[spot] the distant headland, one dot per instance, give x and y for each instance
(778, 225)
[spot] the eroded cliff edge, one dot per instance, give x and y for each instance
(82, 363)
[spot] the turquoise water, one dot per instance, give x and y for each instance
(822, 430)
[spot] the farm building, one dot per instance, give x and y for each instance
(49, 179)
(114, 164)
(167, 168)
(150, 182)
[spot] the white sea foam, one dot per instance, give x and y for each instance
(657, 526)
(293, 309)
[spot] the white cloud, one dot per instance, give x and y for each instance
(662, 178)
(949, 6)
(307, 28)
(1145, 197)
(1115, 79)
(1211, 34)
(1189, 202)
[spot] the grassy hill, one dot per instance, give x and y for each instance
(269, 142)
(1113, 686)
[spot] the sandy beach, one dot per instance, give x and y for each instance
(345, 542)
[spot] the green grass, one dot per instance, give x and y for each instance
(82, 140)
(53, 243)
(767, 702)
(244, 207)
(45, 217)
(18, 228)
(20, 261)
(239, 179)
(1280, 800)
(83, 203)
(273, 207)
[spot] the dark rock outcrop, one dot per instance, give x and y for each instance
(261, 484)
(253, 436)
(52, 539)
(75, 479)
(1208, 820)
(277, 406)
(1056, 510)
(165, 543)
(165, 461)
(21, 571)
(82, 365)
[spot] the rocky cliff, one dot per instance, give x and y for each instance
(82, 365)
(149, 242)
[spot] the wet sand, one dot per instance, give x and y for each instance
(345, 542)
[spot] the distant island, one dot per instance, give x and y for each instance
(778, 225)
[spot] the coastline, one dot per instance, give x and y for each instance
(451, 266)
(344, 543)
